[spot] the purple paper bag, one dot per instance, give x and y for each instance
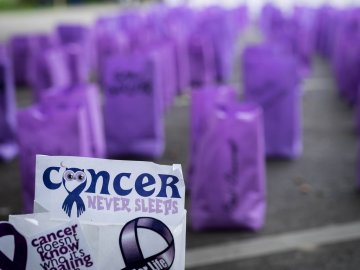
(62, 133)
(357, 112)
(271, 20)
(24, 51)
(81, 96)
(166, 53)
(304, 38)
(19, 47)
(81, 35)
(228, 189)
(39, 74)
(177, 31)
(328, 19)
(8, 147)
(37, 69)
(295, 34)
(76, 65)
(346, 55)
(174, 25)
(215, 22)
(239, 16)
(49, 70)
(182, 65)
(357, 184)
(271, 79)
(72, 33)
(203, 102)
(132, 22)
(202, 61)
(133, 111)
(109, 41)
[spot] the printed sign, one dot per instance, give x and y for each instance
(99, 214)
(102, 191)
(58, 248)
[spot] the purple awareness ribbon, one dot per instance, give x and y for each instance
(20, 253)
(130, 247)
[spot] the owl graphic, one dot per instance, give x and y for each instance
(74, 178)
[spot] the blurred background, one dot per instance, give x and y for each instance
(257, 100)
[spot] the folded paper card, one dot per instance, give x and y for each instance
(99, 214)
(44, 245)
(128, 208)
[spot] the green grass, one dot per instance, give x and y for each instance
(15, 5)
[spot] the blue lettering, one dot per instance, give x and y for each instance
(117, 187)
(46, 178)
(144, 183)
(164, 184)
(140, 184)
(94, 178)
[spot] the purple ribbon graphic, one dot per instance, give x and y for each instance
(20, 253)
(130, 247)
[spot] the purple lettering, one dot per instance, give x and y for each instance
(99, 203)
(91, 202)
(152, 206)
